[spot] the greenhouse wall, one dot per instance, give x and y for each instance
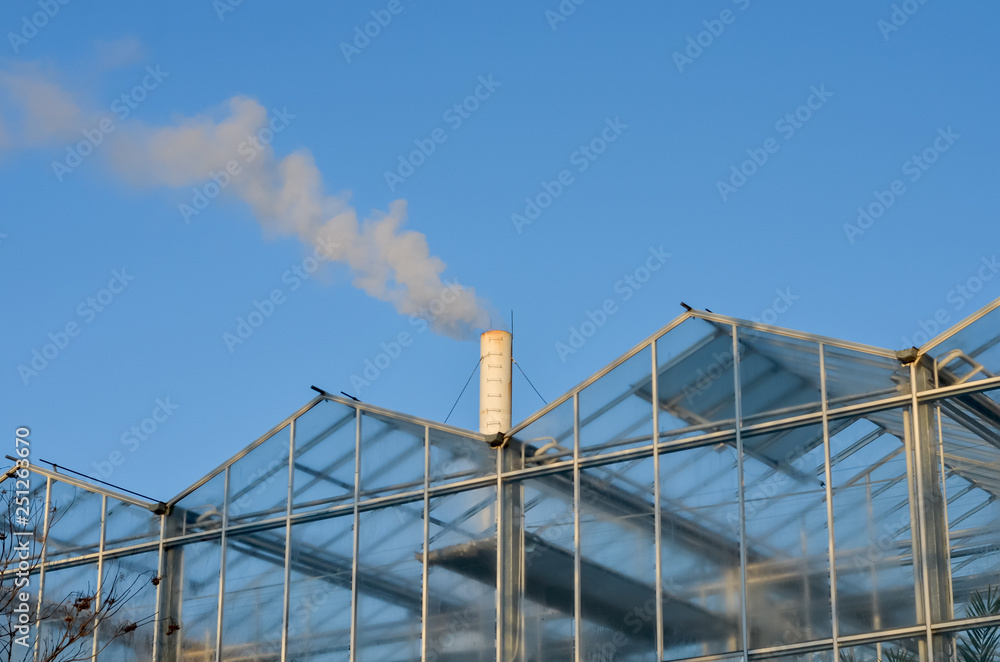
(724, 491)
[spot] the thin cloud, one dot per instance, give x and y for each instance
(118, 53)
(39, 109)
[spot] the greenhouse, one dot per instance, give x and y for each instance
(726, 490)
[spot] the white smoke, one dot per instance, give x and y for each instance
(286, 195)
(41, 110)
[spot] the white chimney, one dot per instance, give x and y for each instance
(495, 371)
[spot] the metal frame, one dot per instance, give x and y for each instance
(921, 431)
(959, 327)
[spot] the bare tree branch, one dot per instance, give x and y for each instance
(65, 625)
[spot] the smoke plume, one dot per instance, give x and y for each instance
(286, 195)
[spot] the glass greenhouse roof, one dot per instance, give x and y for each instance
(724, 490)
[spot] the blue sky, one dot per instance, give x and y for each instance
(628, 124)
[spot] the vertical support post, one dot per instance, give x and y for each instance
(804, 569)
(222, 567)
(657, 508)
(913, 499)
(510, 553)
(738, 413)
(943, 473)
(158, 615)
(43, 557)
(357, 538)
(286, 599)
(170, 590)
(98, 598)
(577, 548)
(828, 480)
(933, 527)
(425, 571)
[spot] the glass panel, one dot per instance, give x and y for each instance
(193, 572)
(618, 565)
(873, 536)
(779, 376)
(547, 603)
(255, 589)
(68, 613)
(27, 636)
(969, 453)
(392, 456)
(854, 377)
(616, 410)
(17, 494)
(319, 625)
(324, 456)
(128, 524)
(390, 575)
(695, 379)
(127, 625)
(549, 438)
(819, 656)
(978, 343)
(462, 600)
(903, 650)
(74, 521)
(975, 645)
(455, 457)
(202, 509)
(258, 481)
(788, 582)
(700, 550)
